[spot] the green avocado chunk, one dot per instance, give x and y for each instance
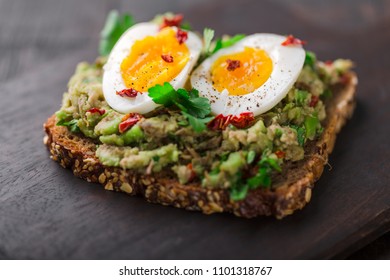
(109, 125)
(234, 163)
(134, 158)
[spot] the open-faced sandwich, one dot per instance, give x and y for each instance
(241, 124)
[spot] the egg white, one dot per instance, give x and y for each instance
(112, 77)
(287, 64)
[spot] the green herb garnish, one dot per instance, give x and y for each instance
(301, 96)
(193, 107)
(72, 125)
(198, 124)
(224, 43)
(267, 165)
(263, 177)
(301, 132)
(208, 49)
(327, 94)
(186, 26)
(278, 132)
(191, 103)
(238, 189)
(114, 27)
(310, 59)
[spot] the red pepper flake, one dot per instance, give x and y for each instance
(328, 62)
(345, 79)
(314, 100)
(291, 40)
(233, 64)
(167, 58)
(181, 36)
(193, 174)
(128, 92)
(97, 110)
(280, 154)
(174, 21)
(220, 122)
(243, 120)
(129, 121)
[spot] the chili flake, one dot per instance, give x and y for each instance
(97, 110)
(167, 58)
(233, 64)
(329, 62)
(344, 79)
(128, 121)
(243, 120)
(220, 122)
(314, 100)
(174, 21)
(291, 40)
(193, 174)
(280, 154)
(181, 36)
(128, 92)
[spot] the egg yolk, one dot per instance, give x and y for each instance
(154, 60)
(241, 73)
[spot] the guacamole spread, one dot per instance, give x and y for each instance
(164, 140)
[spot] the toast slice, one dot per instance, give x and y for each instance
(292, 188)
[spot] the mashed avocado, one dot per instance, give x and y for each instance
(164, 140)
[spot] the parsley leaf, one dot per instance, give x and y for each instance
(188, 102)
(220, 44)
(72, 125)
(114, 27)
(163, 94)
(198, 107)
(193, 107)
(198, 124)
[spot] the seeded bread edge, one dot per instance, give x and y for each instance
(292, 191)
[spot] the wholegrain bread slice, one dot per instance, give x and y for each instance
(291, 189)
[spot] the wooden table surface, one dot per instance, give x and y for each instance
(45, 212)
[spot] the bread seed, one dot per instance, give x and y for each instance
(109, 186)
(126, 188)
(102, 178)
(308, 194)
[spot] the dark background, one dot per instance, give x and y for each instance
(47, 213)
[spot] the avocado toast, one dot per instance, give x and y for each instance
(246, 164)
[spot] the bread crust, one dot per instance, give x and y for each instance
(292, 189)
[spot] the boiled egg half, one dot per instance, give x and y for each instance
(143, 57)
(251, 76)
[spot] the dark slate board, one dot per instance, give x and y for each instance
(46, 213)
